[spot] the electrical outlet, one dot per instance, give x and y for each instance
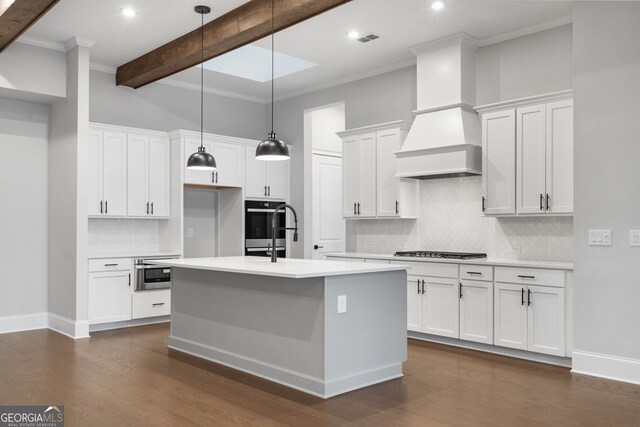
(515, 250)
(634, 238)
(189, 232)
(600, 238)
(342, 304)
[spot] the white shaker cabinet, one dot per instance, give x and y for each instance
(351, 177)
(476, 311)
(440, 307)
(107, 173)
(148, 176)
(359, 176)
(545, 321)
(230, 161)
(510, 313)
(265, 179)
(559, 151)
(414, 303)
(109, 291)
(197, 177)
(530, 143)
(499, 163)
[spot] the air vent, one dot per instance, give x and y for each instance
(369, 37)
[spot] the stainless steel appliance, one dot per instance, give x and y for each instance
(149, 276)
(436, 254)
(258, 229)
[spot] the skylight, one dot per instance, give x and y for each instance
(254, 63)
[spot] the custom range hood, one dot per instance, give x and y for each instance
(444, 139)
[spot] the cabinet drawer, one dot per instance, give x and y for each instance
(151, 303)
(476, 272)
(530, 276)
(109, 264)
(432, 269)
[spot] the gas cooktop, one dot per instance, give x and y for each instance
(436, 254)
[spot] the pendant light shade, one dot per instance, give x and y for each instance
(201, 160)
(272, 148)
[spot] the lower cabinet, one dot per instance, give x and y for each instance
(109, 296)
(476, 311)
(529, 317)
(432, 305)
(151, 303)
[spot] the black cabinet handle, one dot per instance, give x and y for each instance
(526, 277)
(100, 206)
(355, 212)
(129, 279)
(216, 177)
(475, 273)
(213, 177)
(522, 297)
(106, 207)
(483, 208)
(269, 191)
(158, 304)
(358, 208)
(265, 191)
(110, 265)
(541, 208)
(151, 208)
(423, 291)
(460, 290)
(397, 208)
(528, 297)
(418, 286)
(318, 247)
(548, 202)
(147, 208)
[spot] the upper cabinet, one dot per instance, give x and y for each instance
(528, 156)
(229, 161)
(148, 166)
(265, 180)
(107, 173)
(370, 187)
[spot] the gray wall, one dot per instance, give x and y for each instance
(165, 108)
(23, 216)
(607, 108)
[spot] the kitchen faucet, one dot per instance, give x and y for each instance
(275, 228)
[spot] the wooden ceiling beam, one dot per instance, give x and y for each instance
(19, 16)
(241, 26)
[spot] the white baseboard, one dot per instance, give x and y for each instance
(71, 328)
(24, 322)
(606, 366)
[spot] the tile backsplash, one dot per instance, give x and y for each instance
(450, 220)
(113, 236)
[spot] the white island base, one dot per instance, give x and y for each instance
(281, 322)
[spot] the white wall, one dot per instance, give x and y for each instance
(325, 122)
(607, 178)
(23, 216)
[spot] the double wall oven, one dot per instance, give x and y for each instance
(258, 229)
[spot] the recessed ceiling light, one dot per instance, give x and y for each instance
(437, 5)
(128, 12)
(354, 35)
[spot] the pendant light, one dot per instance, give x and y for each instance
(201, 160)
(272, 148)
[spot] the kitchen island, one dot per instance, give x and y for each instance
(323, 327)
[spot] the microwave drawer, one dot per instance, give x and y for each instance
(151, 303)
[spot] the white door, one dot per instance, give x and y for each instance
(546, 320)
(499, 162)
(560, 156)
(510, 316)
(277, 179)
(159, 172)
(530, 137)
(328, 226)
(199, 177)
(414, 303)
(350, 177)
(114, 164)
(476, 311)
(94, 174)
(229, 159)
(367, 182)
(440, 307)
(109, 297)
(255, 176)
(137, 175)
(388, 142)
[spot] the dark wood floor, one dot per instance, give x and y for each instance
(128, 377)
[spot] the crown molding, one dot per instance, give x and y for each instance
(210, 90)
(487, 41)
(452, 40)
(522, 102)
(94, 66)
(74, 42)
(43, 43)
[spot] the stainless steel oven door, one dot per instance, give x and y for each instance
(150, 277)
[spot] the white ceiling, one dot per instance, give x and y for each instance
(322, 40)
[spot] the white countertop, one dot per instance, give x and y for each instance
(477, 261)
(135, 255)
(285, 267)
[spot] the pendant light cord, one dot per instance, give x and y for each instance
(273, 14)
(202, 83)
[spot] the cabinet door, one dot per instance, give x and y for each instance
(414, 304)
(560, 156)
(388, 142)
(137, 175)
(277, 179)
(159, 171)
(229, 159)
(200, 177)
(350, 176)
(256, 175)
(94, 173)
(510, 316)
(476, 311)
(530, 137)
(499, 162)
(114, 164)
(367, 187)
(440, 307)
(109, 297)
(546, 320)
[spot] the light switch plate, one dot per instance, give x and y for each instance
(189, 232)
(634, 238)
(342, 304)
(600, 238)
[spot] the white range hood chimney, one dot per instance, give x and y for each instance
(444, 139)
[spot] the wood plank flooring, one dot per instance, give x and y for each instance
(128, 377)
